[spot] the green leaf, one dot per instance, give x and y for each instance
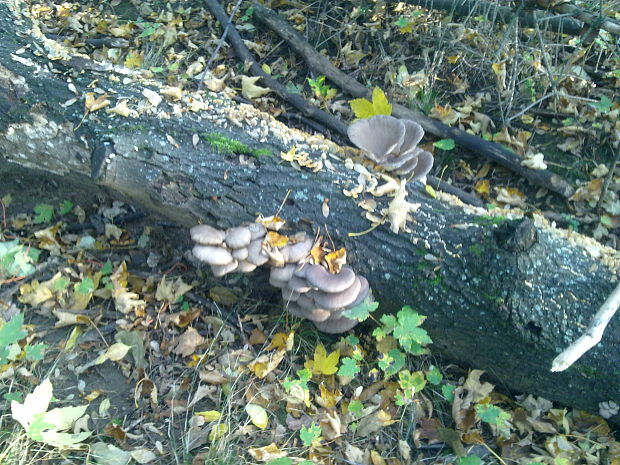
(434, 376)
(85, 286)
(348, 367)
(310, 436)
(106, 269)
(448, 391)
(281, 461)
(444, 144)
(65, 207)
(355, 407)
(361, 311)
(603, 105)
(11, 333)
(44, 213)
(469, 460)
(35, 352)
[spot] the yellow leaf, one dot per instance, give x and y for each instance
(282, 341)
(258, 415)
(218, 431)
(134, 60)
(210, 415)
(250, 90)
(483, 187)
(430, 191)
(365, 109)
(323, 364)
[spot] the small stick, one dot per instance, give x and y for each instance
(593, 333)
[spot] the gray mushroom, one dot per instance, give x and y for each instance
(335, 326)
(336, 300)
(325, 281)
(392, 143)
(206, 235)
(256, 254)
(221, 270)
(238, 237)
(212, 255)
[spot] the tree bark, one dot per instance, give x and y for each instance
(504, 295)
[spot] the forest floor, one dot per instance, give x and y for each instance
(151, 359)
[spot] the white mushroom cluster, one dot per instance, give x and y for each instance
(309, 290)
(392, 143)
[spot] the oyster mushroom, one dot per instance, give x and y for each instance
(212, 255)
(207, 235)
(392, 143)
(336, 300)
(325, 281)
(238, 237)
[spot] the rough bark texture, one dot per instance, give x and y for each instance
(502, 295)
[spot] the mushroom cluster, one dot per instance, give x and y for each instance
(309, 290)
(312, 292)
(392, 143)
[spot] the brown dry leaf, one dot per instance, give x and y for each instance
(92, 103)
(122, 109)
(250, 90)
(223, 295)
(267, 453)
(510, 196)
(336, 259)
(188, 342)
(266, 363)
(257, 337)
(589, 192)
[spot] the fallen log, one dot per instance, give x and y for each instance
(502, 292)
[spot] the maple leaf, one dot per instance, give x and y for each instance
(363, 108)
(323, 364)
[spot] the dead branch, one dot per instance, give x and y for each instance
(592, 336)
(503, 14)
(494, 152)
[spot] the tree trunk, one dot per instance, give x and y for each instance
(504, 295)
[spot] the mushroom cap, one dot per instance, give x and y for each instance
(379, 135)
(413, 136)
(282, 273)
(297, 252)
(363, 292)
(257, 230)
(289, 295)
(212, 255)
(256, 254)
(425, 163)
(335, 326)
(334, 301)
(325, 281)
(221, 270)
(306, 302)
(295, 310)
(207, 235)
(238, 237)
(245, 266)
(240, 254)
(299, 284)
(317, 314)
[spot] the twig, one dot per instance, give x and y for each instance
(494, 152)
(608, 179)
(246, 56)
(593, 333)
